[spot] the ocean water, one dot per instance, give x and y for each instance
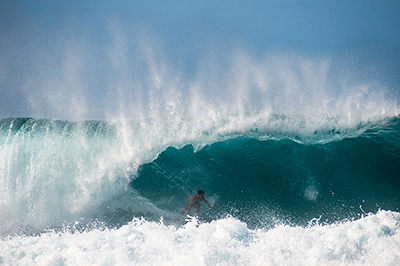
(286, 189)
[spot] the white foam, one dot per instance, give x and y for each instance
(371, 240)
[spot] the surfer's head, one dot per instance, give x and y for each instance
(200, 192)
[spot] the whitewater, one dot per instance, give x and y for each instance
(368, 241)
(300, 159)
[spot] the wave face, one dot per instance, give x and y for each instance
(334, 190)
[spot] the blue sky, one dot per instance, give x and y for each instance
(39, 38)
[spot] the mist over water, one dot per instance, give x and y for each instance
(134, 75)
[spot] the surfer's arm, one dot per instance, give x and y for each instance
(208, 203)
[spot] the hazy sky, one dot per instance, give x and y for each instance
(50, 50)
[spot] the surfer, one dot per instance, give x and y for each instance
(194, 202)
